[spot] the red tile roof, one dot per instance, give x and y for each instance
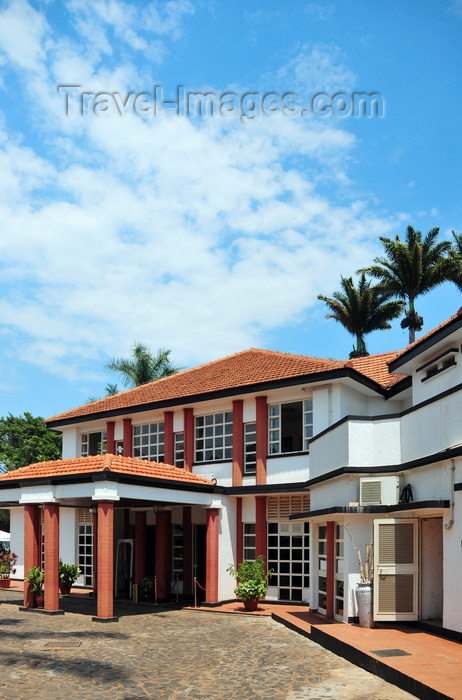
(105, 463)
(247, 368)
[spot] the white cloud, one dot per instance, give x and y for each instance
(22, 32)
(196, 235)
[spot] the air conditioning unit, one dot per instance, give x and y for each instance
(379, 491)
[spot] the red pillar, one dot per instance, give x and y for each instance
(261, 538)
(211, 555)
(110, 429)
(330, 563)
(32, 537)
(188, 439)
(187, 552)
(140, 545)
(239, 532)
(128, 440)
(95, 552)
(238, 442)
(163, 552)
(51, 532)
(169, 452)
(105, 546)
(262, 438)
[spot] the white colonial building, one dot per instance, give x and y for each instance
(288, 456)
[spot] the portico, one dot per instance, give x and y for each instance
(115, 490)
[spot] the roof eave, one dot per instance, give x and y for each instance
(340, 373)
(418, 348)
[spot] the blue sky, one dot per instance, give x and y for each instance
(212, 234)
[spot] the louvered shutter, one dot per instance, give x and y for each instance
(395, 569)
(280, 507)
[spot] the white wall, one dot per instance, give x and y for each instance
(452, 569)
(432, 428)
(358, 443)
(438, 383)
(67, 537)
(287, 469)
(17, 539)
(336, 492)
(226, 549)
(71, 443)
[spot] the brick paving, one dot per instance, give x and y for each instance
(161, 653)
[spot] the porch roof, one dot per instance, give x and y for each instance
(105, 464)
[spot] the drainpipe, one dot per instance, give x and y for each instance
(449, 523)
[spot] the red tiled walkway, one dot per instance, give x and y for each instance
(432, 667)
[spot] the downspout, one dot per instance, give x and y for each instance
(452, 469)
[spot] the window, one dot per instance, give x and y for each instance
(289, 557)
(290, 426)
(214, 437)
(148, 441)
(179, 450)
(250, 448)
(250, 541)
(93, 444)
(85, 545)
(339, 567)
(177, 552)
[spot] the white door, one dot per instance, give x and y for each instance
(396, 569)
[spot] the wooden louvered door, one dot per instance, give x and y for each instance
(396, 569)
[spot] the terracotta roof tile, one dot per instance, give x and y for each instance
(105, 463)
(250, 367)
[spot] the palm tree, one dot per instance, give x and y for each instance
(362, 309)
(411, 268)
(144, 366)
(455, 256)
(110, 389)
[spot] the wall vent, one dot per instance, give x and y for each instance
(379, 491)
(280, 507)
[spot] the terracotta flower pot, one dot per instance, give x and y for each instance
(64, 587)
(251, 604)
(39, 601)
(5, 582)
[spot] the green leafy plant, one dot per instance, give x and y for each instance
(7, 561)
(252, 578)
(68, 573)
(36, 578)
(147, 587)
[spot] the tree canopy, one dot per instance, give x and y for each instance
(411, 268)
(455, 256)
(25, 440)
(144, 366)
(362, 309)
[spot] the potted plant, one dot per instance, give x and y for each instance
(36, 578)
(364, 591)
(147, 588)
(68, 575)
(7, 561)
(252, 581)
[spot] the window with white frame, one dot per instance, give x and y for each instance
(179, 450)
(148, 441)
(250, 448)
(85, 545)
(250, 541)
(290, 426)
(93, 443)
(214, 437)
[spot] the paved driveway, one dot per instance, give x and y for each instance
(161, 654)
